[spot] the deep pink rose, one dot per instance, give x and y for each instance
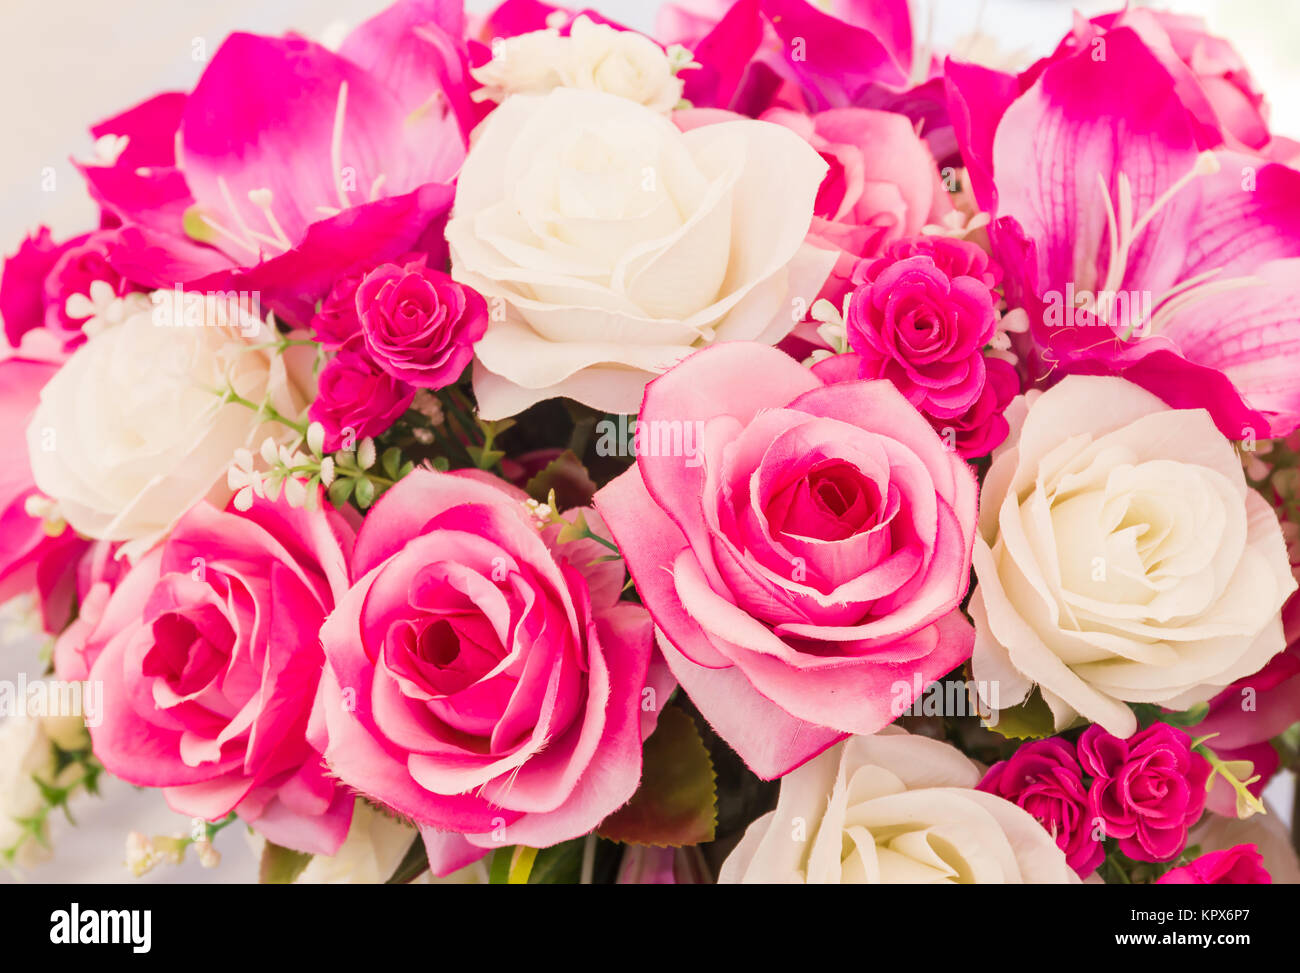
(921, 318)
(1238, 865)
(1044, 778)
(883, 184)
(209, 655)
(802, 548)
(983, 427)
(356, 399)
(1148, 790)
(98, 574)
(335, 323)
(482, 678)
(82, 264)
(30, 558)
(418, 324)
(39, 278)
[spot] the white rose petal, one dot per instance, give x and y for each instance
(1122, 558)
(893, 808)
(616, 244)
(131, 432)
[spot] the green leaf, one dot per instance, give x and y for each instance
(558, 865)
(676, 804)
(281, 866)
(391, 462)
(567, 478)
(341, 490)
(365, 493)
(1031, 720)
(483, 457)
(413, 864)
(499, 866)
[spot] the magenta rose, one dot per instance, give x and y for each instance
(356, 399)
(481, 677)
(1044, 778)
(39, 278)
(209, 655)
(883, 184)
(336, 323)
(921, 318)
(1238, 865)
(802, 548)
(419, 325)
(1147, 789)
(31, 558)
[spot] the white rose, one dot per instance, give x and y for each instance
(609, 244)
(1121, 557)
(131, 432)
(593, 57)
(893, 809)
(374, 847)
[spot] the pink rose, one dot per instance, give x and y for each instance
(481, 677)
(921, 318)
(419, 325)
(209, 655)
(883, 184)
(1147, 789)
(356, 399)
(336, 323)
(802, 548)
(30, 558)
(97, 576)
(81, 265)
(1239, 865)
(1044, 778)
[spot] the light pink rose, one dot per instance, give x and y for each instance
(481, 677)
(883, 184)
(802, 548)
(209, 655)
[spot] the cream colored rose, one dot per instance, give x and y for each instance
(593, 57)
(27, 754)
(375, 846)
(1121, 557)
(609, 244)
(132, 431)
(893, 809)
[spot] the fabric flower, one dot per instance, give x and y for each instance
(590, 57)
(921, 318)
(894, 809)
(883, 184)
(133, 431)
(357, 399)
(419, 325)
(1240, 865)
(34, 555)
(617, 244)
(802, 548)
(209, 656)
(1122, 558)
(1044, 778)
(476, 680)
(1147, 790)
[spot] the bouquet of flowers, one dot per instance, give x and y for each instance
(520, 449)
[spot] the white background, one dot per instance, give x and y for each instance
(65, 64)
